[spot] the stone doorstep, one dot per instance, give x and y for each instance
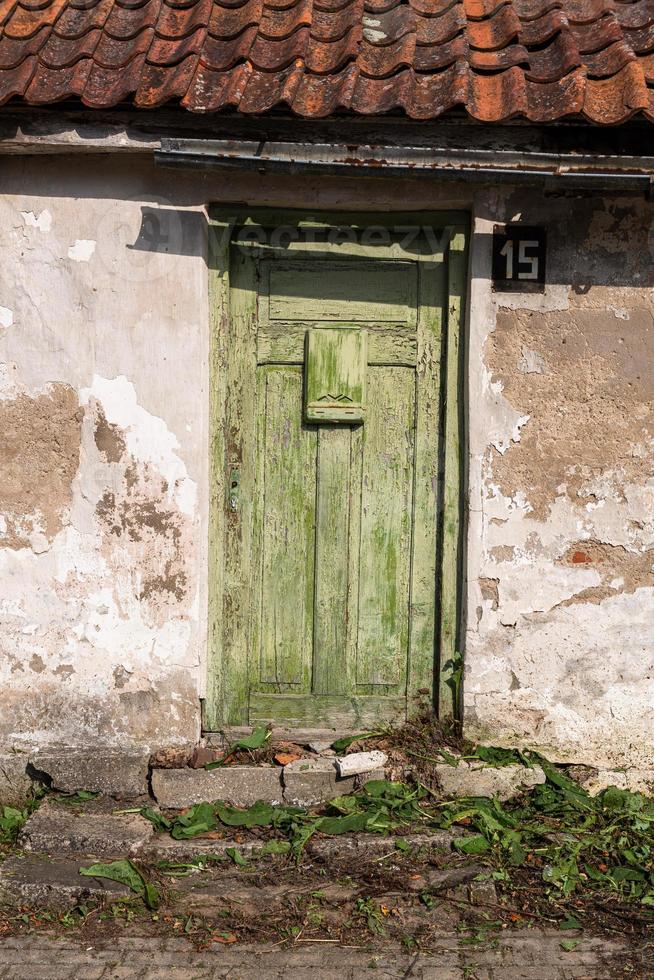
(176, 789)
(161, 847)
(125, 775)
(117, 773)
(15, 784)
(306, 782)
(114, 772)
(477, 779)
(58, 829)
(310, 782)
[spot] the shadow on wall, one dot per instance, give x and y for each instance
(171, 231)
(612, 239)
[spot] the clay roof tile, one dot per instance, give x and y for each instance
(540, 60)
(14, 50)
(124, 22)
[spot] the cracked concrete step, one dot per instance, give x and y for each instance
(239, 785)
(480, 779)
(161, 847)
(120, 772)
(15, 784)
(43, 882)
(101, 829)
(310, 782)
(219, 891)
(98, 829)
(39, 880)
(306, 782)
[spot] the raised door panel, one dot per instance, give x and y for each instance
(351, 291)
(385, 541)
(285, 522)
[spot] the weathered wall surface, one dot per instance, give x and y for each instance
(104, 441)
(103, 454)
(560, 631)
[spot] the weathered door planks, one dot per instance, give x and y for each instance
(286, 493)
(328, 568)
(385, 542)
(331, 664)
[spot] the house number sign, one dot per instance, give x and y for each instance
(519, 259)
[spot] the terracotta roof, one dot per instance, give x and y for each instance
(540, 60)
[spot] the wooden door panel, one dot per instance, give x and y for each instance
(385, 544)
(283, 343)
(331, 664)
(286, 518)
(324, 290)
(320, 711)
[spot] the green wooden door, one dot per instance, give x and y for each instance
(329, 530)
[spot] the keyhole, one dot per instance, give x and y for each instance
(233, 489)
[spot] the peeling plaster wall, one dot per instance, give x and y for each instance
(560, 598)
(104, 447)
(102, 413)
(103, 501)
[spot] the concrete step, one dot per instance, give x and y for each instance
(58, 839)
(306, 782)
(39, 881)
(102, 829)
(330, 865)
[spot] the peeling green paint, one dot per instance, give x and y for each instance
(330, 584)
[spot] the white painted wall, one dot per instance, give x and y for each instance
(86, 656)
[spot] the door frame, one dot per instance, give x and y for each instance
(448, 587)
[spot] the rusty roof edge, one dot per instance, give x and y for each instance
(574, 171)
(74, 129)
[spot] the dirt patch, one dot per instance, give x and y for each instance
(39, 457)
(490, 592)
(141, 517)
(136, 517)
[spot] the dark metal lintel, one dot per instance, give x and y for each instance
(553, 172)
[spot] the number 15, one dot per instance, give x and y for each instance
(523, 259)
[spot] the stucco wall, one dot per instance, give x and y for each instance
(103, 424)
(104, 401)
(560, 628)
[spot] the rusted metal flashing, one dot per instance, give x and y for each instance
(564, 171)
(69, 128)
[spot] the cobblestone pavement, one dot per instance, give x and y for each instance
(528, 955)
